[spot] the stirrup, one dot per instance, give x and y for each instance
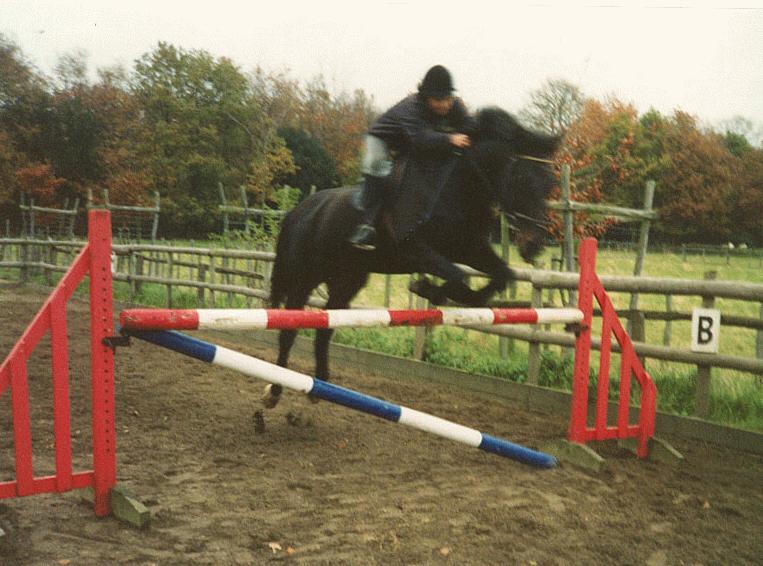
(363, 238)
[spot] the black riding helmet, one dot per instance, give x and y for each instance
(437, 83)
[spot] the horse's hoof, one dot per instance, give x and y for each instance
(259, 422)
(271, 396)
(424, 288)
(418, 286)
(298, 419)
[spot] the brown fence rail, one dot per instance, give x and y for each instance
(220, 275)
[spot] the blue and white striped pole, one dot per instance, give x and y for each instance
(272, 373)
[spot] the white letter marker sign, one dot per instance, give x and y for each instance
(705, 330)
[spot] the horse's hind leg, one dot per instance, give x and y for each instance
(272, 393)
(285, 342)
(340, 295)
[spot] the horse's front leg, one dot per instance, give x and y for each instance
(341, 292)
(322, 341)
(422, 258)
(483, 258)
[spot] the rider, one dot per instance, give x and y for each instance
(429, 123)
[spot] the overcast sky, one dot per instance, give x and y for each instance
(703, 57)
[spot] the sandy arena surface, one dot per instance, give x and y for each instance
(327, 485)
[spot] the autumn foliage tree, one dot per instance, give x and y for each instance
(705, 181)
(22, 102)
(696, 199)
(314, 167)
(205, 126)
(183, 121)
(40, 183)
(338, 123)
(596, 147)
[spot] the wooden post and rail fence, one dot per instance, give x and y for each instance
(220, 275)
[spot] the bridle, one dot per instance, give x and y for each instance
(491, 187)
(538, 159)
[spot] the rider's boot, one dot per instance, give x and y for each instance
(372, 198)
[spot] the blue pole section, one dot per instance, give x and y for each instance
(260, 369)
(181, 343)
(516, 452)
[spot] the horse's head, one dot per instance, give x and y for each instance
(517, 162)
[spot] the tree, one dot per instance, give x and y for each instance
(740, 127)
(126, 166)
(614, 151)
(337, 122)
(699, 203)
(553, 107)
(596, 146)
(314, 166)
(24, 101)
(747, 199)
(340, 124)
(23, 104)
(10, 161)
(205, 126)
(737, 144)
(40, 183)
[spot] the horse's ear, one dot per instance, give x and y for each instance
(496, 124)
(539, 144)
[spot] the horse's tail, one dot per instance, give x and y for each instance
(278, 278)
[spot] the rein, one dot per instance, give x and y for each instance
(538, 159)
(491, 187)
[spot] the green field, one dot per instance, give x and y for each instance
(736, 398)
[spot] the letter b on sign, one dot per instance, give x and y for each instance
(705, 330)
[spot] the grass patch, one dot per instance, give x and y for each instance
(736, 397)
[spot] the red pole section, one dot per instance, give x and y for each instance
(102, 359)
(579, 408)
(245, 319)
(61, 404)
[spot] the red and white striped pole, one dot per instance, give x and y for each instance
(248, 319)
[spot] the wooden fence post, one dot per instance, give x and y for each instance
(24, 257)
(138, 272)
(50, 259)
(212, 272)
(202, 275)
(643, 245)
(505, 345)
(226, 279)
(226, 221)
(533, 351)
(759, 338)
(639, 332)
(155, 222)
(387, 290)
(702, 392)
(130, 274)
(421, 333)
(170, 264)
(251, 282)
(569, 241)
(667, 333)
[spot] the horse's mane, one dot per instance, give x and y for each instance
(495, 124)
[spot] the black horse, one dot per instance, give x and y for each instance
(507, 166)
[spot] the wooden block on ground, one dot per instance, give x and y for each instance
(126, 507)
(576, 454)
(659, 450)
